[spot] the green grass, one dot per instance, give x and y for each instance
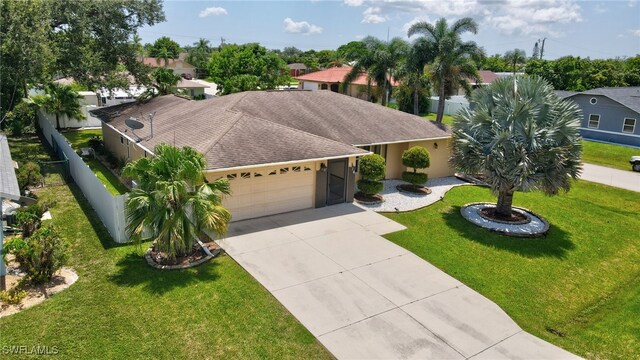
(446, 119)
(578, 287)
(122, 308)
(80, 139)
(614, 156)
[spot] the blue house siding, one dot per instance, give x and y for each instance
(612, 115)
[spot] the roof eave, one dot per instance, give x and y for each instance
(280, 163)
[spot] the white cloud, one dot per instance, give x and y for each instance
(300, 27)
(635, 32)
(372, 16)
(539, 17)
(359, 37)
(417, 19)
(215, 10)
(632, 3)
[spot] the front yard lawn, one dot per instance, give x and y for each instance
(615, 156)
(578, 287)
(80, 139)
(446, 119)
(120, 308)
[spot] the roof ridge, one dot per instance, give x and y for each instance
(231, 125)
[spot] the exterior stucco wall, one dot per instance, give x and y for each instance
(612, 115)
(119, 148)
(394, 160)
(439, 157)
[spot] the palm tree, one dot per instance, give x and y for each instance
(453, 63)
(173, 202)
(515, 57)
(520, 136)
(62, 100)
(412, 72)
(137, 46)
(165, 80)
(379, 61)
(164, 55)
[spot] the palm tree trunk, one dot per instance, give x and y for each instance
(57, 121)
(441, 99)
(384, 95)
(416, 106)
(505, 200)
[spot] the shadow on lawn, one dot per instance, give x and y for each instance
(556, 243)
(134, 271)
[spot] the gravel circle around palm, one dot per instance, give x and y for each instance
(537, 226)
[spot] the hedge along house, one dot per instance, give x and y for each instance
(281, 150)
(610, 114)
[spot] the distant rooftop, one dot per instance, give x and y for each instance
(336, 75)
(627, 96)
(8, 182)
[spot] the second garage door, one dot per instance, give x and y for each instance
(270, 190)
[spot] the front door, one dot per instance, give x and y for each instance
(337, 182)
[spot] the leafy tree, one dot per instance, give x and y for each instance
(351, 51)
(62, 100)
(514, 58)
(405, 97)
(632, 71)
(246, 67)
(173, 203)
(21, 119)
(164, 80)
(87, 40)
(416, 158)
(520, 136)
(29, 175)
(198, 56)
(495, 63)
(412, 95)
(372, 168)
(379, 61)
(164, 48)
(454, 59)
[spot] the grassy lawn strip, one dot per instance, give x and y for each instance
(577, 288)
(80, 139)
(121, 308)
(614, 156)
(446, 119)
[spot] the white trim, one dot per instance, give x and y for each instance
(589, 122)
(285, 162)
(128, 138)
(635, 121)
(609, 132)
(405, 141)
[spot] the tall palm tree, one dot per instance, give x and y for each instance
(62, 100)
(520, 136)
(173, 202)
(515, 57)
(136, 42)
(379, 61)
(164, 80)
(412, 71)
(453, 63)
(163, 56)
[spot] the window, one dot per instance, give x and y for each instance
(594, 121)
(295, 168)
(145, 153)
(257, 174)
(231, 176)
(593, 101)
(306, 168)
(121, 139)
(324, 87)
(245, 175)
(284, 171)
(629, 125)
(273, 172)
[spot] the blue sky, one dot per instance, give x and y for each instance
(597, 29)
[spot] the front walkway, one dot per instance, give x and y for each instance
(613, 177)
(364, 297)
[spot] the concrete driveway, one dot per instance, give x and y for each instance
(364, 297)
(613, 177)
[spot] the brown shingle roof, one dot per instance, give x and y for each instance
(262, 127)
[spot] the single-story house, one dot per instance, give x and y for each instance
(609, 114)
(298, 69)
(179, 66)
(280, 150)
(330, 79)
(486, 78)
(192, 88)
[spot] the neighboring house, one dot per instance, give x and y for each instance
(179, 66)
(486, 78)
(192, 88)
(609, 114)
(281, 150)
(332, 78)
(298, 69)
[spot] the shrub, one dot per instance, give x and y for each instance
(21, 119)
(95, 143)
(40, 255)
(404, 98)
(372, 170)
(29, 175)
(13, 296)
(372, 167)
(370, 187)
(416, 157)
(29, 219)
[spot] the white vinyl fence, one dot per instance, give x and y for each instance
(110, 208)
(451, 106)
(66, 122)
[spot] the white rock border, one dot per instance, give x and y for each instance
(537, 227)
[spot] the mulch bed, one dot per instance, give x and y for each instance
(414, 189)
(368, 199)
(196, 255)
(516, 217)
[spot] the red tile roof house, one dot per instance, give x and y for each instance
(281, 150)
(486, 78)
(298, 69)
(178, 66)
(332, 78)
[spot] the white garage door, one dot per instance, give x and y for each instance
(268, 191)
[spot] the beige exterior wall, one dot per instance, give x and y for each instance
(394, 160)
(120, 146)
(439, 157)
